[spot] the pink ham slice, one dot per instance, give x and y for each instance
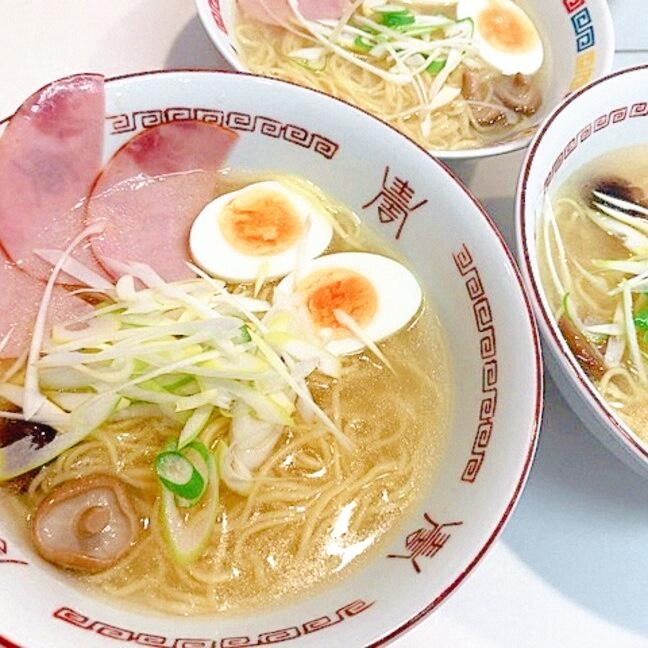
(20, 297)
(50, 155)
(152, 190)
(278, 12)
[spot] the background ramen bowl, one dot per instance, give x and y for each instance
(602, 117)
(578, 37)
(469, 275)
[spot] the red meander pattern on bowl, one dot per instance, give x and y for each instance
(417, 203)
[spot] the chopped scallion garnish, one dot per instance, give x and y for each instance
(179, 475)
(641, 319)
(397, 19)
(361, 44)
(436, 66)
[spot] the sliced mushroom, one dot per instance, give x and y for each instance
(518, 93)
(472, 89)
(12, 431)
(85, 524)
(618, 187)
(588, 356)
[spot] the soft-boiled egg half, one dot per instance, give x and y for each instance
(505, 36)
(379, 294)
(261, 231)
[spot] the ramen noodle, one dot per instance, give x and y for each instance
(451, 75)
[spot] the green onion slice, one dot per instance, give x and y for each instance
(397, 19)
(436, 66)
(245, 334)
(641, 319)
(188, 532)
(198, 454)
(361, 44)
(179, 475)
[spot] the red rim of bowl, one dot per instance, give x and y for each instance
(576, 374)
(538, 373)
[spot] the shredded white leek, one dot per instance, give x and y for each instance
(75, 269)
(34, 398)
(639, 224)
(616, 344)
(228, 297)
(620, 203)
(631, 334)
(549, 226)
(635, 283)
(399, 79)
(276, 362)
(347, 321)
(15, 367)
(632, 238)
(185, 350)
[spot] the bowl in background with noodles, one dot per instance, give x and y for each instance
(166, 584)
(464, 79)
(580, 221)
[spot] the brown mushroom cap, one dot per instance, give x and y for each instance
(86, 524)
(472, 90)
(617, 187)
(588, 356)
(518, 93)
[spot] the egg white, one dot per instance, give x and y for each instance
(525, 62)
(214, 254)
(398, 292)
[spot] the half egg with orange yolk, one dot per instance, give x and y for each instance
(505, 36)
(379, 294)
(261, 231)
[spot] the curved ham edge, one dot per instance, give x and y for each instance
(20, 297)
(151, 191)
(50, 155)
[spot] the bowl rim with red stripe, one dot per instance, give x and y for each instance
(598, 119)
(497, 375)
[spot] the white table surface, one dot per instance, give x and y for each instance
(571, 568)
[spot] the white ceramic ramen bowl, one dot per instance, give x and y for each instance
(609, 114)
(578, 37)
(496, 379)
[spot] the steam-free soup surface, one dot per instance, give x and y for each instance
(316, 510)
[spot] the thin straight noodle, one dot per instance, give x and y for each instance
(279, 456)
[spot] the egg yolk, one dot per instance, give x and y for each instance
(259, 223)
(506, 30)
(342, 289)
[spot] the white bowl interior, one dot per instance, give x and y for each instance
(578, 36)
(469, 275)
(601, 118)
